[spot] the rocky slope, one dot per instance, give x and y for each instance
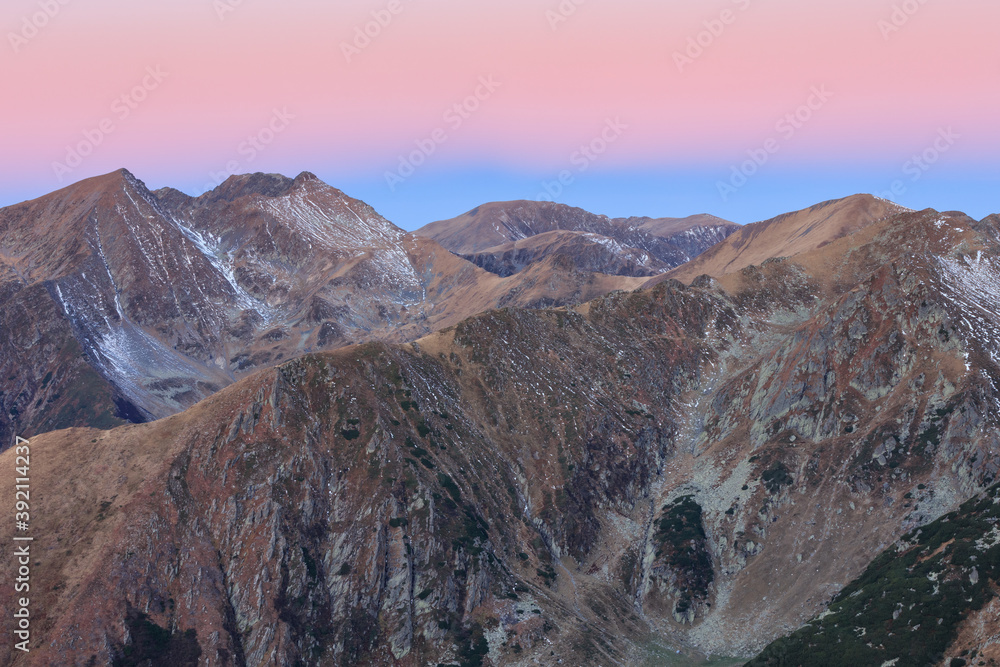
(930, 599)
(591, 252)
(504, 237)
(786, 235)
(132, 305)
(698, 467)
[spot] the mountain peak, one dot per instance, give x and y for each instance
(788, 234)
(124, 173)
(104, 182)
(262, 184)
(242, 185)
(856, 203)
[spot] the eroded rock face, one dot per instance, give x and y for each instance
(708, 464)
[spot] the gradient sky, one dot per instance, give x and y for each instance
(180, 91)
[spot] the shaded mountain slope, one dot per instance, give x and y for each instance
(504, 237)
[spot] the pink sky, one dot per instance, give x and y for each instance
(226, 76)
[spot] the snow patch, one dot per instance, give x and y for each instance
(973, 287)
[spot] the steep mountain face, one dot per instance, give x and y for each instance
(702, 467)
(786, 235)
(132, 305)
(293, 243)
(504, 237)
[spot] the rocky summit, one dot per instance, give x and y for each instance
(787, 460)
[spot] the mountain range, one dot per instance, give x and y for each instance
(132, 305)
(781, 448)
